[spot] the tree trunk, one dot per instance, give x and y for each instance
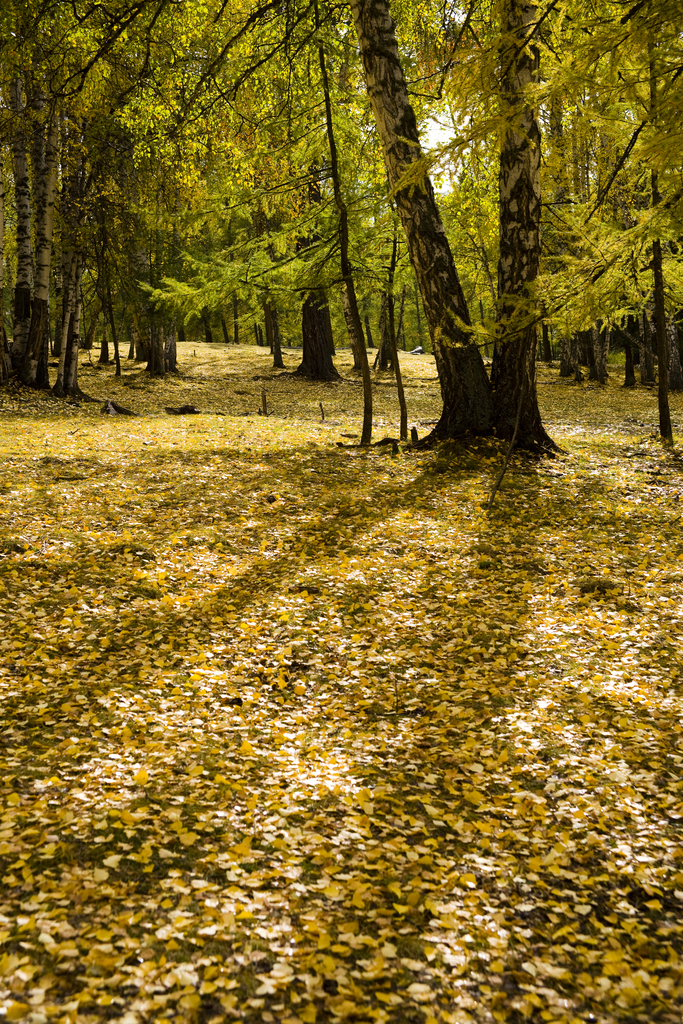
(316, 361)
(382, 359)
(629, 372)
(71, 376)
(400, 330)
(675, 374)
(547, 351)
(600, 349)
(393, 349)
(513, 373)
(273, 334)
(465, 388)
(92, 329)
(665, 430)
(5, 358)
(22, 288)
(235, 321)
(208, 334)
(156, 364)
(104, 345)
(170, 351)
(647, 359)
(70, 269)
(44, 186)
(67, 373)
(112, 322)
(142, 344)
(61, 292)
(368, 331)
(57, 278)
(586, 342)
(566, 364)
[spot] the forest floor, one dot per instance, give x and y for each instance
(295, 732)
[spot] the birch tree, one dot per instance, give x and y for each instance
(465, 387)
(513, 373)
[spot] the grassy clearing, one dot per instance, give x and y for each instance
(292, 731)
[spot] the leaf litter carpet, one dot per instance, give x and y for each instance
(294, 732)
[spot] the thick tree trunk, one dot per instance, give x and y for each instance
(566, 363)
(22, 287)
(235, 321)
(513, 373)
(316, 362)
(224, 328)
(142, 343)
(465, 388)
(44, 185)
(156, 363)
(104, 345)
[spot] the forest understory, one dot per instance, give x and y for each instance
(300, 732)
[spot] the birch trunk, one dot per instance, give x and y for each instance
(513, 373)
(24, 278)
(45, 154)
(465, 388)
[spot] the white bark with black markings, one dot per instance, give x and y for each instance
(24, 278)
(513, 373)
(464, 385)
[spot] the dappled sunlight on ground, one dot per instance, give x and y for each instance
(292, 731)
